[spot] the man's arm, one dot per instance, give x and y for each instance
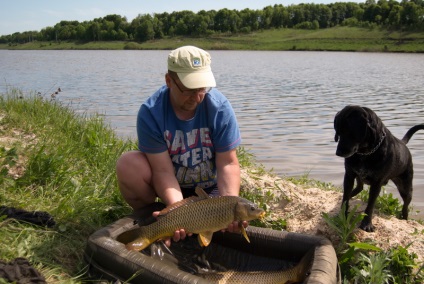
(166, 186)
(163, 178)
(228, 171)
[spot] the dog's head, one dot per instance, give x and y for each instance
(356, 128)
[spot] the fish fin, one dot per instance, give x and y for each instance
(178, 204)
(201, 193)
(205, 238)
(158, 250)
(243, 231)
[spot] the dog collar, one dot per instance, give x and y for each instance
(375, 148)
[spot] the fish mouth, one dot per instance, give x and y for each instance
(262, 215)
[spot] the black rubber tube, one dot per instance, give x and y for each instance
(109, 257)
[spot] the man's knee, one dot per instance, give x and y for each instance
(130, 162)
(128, 159)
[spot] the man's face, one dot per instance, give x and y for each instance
(182, 98)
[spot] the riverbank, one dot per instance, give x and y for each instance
(331, 39)
(56, 161)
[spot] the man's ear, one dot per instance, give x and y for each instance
(168, 80)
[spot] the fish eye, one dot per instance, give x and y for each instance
(253, 208)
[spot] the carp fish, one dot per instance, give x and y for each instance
(201, 214)
(295, 274)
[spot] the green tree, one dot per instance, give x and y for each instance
(188, 18)
(279, 16)
(371, 12)
(157, 27)
(410, 15)
(266, 17)
(297, 15)
(201, 25)
(119, 22)
(249, 19)
(48, 34)
(167, 21)
(80, 31)
(144, 31)
(227, 21)
(325, 15)
(93, 31)
(181, 28)
(339, 13)
(394, 18)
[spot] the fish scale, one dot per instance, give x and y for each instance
(295, 274)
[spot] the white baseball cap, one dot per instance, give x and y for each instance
(193, 67)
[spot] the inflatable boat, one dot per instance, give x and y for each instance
(185, 262)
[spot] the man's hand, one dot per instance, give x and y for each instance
(234, 227)
(178, 234)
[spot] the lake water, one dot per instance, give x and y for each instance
(285, 101)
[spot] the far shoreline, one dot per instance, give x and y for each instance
(340, 38)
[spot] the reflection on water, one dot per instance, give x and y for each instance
(285, 101)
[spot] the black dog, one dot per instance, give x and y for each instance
(372, 156)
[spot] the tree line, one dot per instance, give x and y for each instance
(390, 14)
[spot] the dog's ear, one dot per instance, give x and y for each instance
(336, 126)
(336, 120)
(374, 124)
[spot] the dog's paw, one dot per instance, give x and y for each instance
(367, 227)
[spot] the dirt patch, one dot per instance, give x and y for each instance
(10, 138)
(304, 207)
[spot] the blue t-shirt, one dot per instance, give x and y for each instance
(191, 144)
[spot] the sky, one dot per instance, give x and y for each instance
(31, 15)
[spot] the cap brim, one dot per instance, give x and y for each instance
(196, 80)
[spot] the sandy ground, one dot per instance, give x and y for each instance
(302, 208)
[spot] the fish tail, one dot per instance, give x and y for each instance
(303, 268)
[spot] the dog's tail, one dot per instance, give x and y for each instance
(411, 132)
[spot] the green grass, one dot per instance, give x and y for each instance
(363, 262)
(69, 165)
(331, 39)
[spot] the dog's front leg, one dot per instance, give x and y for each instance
(366, 223)
(349, 180)
(359, 187)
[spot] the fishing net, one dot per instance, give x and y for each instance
(20, 271)
(39, 218)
